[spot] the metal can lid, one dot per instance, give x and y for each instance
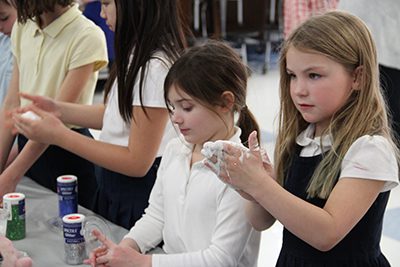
(73, 218)
(67, 179)
(13, 197)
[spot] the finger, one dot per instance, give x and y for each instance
(253, 142)
(103, 239)
(30, 97)
(232, 150)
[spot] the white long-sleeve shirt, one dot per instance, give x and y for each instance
(200, 219)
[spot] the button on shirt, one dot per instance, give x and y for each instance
(369, 157)
(200, 219)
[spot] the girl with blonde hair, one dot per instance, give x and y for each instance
(336, 161)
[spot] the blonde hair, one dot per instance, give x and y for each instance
(345, 39)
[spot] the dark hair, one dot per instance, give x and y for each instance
(142, 28)
(205, 72)
(32, 9)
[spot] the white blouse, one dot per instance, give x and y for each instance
(369, 157)
(200, 219)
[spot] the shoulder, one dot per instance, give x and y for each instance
(159, 62)
(372, 157)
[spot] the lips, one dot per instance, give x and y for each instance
(184, 131)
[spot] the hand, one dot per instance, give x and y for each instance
(10, 255)
(246, 171)
(113, 255)
(44, 130)
(42, 102)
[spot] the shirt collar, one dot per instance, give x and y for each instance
(187, 148)
(306, 138)
(54, 28)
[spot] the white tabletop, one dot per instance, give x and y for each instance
(43, 243)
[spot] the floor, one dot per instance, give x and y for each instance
(263, 102)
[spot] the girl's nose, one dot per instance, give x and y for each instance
(176, 118)
(298, 87)
(102, 13)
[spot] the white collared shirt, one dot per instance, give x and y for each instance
(200, 219)
(369, 157)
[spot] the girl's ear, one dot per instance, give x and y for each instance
(357, 78)
(228, 100)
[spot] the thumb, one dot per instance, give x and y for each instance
(254, 146)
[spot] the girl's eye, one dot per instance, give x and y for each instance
(291, 76)
(4, 19)
(187, 109)
(314, 76)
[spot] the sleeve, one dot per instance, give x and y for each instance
(147, 232)
(89, 47)
(371, 157)
(153, 85)
(231, 238)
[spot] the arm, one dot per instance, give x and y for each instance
(11, 102)
(324, 227)
(258, 216)
(70, 91)
(135, 160)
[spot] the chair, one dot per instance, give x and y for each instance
(256, 25)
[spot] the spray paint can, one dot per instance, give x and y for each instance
(67, 189)
(14, 203)
(74, 241)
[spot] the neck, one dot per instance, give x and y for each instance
(48, 17)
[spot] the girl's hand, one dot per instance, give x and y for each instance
(45, 130)
(42, 102)
(245, 172)
(113, 255)
(10, 255)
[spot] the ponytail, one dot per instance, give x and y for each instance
(247, 123)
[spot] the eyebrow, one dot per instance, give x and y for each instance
(307, 69)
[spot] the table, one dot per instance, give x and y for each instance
(42, 243)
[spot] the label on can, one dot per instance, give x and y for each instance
(73, 228)
(67, 189)
(14, 203)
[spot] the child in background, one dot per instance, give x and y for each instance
(54, 56)
(8, 15)
(297, 11)
(335, 159)
(133, 120)
(200, 219)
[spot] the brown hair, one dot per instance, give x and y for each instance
(205, 72)
(32, 9)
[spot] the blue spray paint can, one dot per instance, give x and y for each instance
(67, 189)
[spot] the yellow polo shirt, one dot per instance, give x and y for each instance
(44, 56)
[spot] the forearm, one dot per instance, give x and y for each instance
(113, 157)
(129, 242)
(308, 222)
(25, 159)
(86, 116)
(258, 216)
